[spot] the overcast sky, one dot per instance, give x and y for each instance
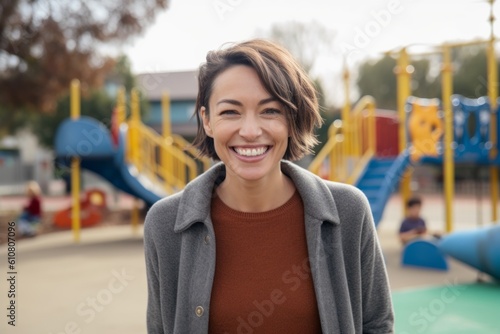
(181, 36)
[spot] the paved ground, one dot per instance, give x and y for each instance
(99, 285)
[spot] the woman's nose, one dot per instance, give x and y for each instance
(250, 128)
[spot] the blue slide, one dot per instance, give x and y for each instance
(379, 180)
(91, 141)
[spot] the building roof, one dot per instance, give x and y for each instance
(180, 85)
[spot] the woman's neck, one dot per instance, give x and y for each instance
(255, 196)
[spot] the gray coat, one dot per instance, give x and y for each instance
(346, 263)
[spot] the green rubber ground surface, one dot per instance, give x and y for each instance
(449, 309)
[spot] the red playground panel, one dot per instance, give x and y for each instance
(387, 123)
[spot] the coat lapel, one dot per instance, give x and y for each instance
(324, 242)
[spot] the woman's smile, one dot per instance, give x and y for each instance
(251, 151)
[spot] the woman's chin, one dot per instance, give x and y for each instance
(249, 173)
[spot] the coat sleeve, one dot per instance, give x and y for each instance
(378, 315)
(153, 314)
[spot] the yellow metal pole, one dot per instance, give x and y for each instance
(135, 120)
(135, 158)
(403, 71)
(75, 164)
(493, 95)
(403, 85)
(346, 111)
(449, 168)
(75, 99)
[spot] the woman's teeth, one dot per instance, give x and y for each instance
(251, 152)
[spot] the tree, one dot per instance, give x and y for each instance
(377, 79)
(470, 72)
(305, 41)
(45, 44)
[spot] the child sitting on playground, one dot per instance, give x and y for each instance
(32, 212)
(413, 226)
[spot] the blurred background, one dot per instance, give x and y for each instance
(136, 64)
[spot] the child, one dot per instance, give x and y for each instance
(30, 217)
(413, 226)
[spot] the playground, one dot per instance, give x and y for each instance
(85, 271)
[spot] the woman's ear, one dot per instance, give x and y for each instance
(206, 121)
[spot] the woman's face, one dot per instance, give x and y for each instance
(247, 124)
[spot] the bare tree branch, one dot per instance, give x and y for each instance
(46, 43)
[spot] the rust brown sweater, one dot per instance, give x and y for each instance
(262, 278)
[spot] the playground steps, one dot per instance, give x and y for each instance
(373, 179)
(379, 180)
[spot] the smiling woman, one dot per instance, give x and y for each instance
(283, 82)
(250, 134)
(256, 243)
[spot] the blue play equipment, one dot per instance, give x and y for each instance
(379, 180)
(91, 141)
(472, 144)
(478, 248)
(472, 140)
(425, 254)
(471, 132)
(471, 118)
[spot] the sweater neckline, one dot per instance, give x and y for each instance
(294, 200)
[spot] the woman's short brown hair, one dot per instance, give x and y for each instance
(280, 75)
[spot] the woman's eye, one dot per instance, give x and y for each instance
(228, 112)
(272, 111)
